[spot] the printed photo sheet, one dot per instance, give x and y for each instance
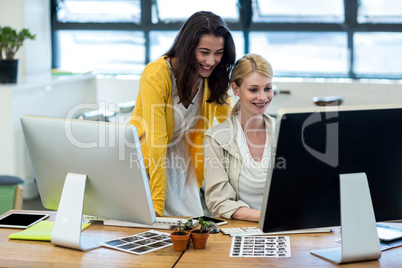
(140, 243)
(260, 246)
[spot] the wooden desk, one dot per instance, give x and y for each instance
(216, 253)
(21, 253)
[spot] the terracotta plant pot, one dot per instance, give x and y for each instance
(180, 242)
(199, 239)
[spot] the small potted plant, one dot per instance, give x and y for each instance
(200, 236)
(180, 237)
(10, 43)
(189, 225)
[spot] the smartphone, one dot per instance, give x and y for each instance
(217, 221)
(21, 220)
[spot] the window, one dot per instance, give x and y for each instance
(308, 53)
(378, 54)
(311, 38)
(104, 51)
(384, 11)
(167, 10)
(99, 11)
(291, 11)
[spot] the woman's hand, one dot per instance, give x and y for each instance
(247, 214)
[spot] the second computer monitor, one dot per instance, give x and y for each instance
(313, 147)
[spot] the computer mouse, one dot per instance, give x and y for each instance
(213, 228)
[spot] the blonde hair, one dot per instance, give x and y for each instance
(243, 67)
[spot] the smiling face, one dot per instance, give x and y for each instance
(208, 53)
(255, 93)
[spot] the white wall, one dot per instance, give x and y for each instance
(302, 91)
(12, 13)
(36, 92)
(358, 92)
(37, 53)
(116, 90)
(34, 56)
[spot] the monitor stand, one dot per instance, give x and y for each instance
(360, 240)
(68, 224)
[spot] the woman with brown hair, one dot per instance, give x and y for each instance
(179, 96)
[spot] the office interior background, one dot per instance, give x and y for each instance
(347, 48)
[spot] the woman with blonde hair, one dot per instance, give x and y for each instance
(237, 151)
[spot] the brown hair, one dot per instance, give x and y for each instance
(183, 48)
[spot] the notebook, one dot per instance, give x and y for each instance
(41, 231)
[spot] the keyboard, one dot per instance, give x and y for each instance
(388, 233)
(252, 231)
(385, 232)
(160, 223)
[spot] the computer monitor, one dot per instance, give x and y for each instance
(313, 149)
(87, 167)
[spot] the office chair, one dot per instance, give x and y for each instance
(11, 193)
(328, 101)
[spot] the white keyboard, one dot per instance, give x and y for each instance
(251, 231)
(161, 222)
(385, 232)
(388, 233)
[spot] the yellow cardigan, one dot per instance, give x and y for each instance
(153, 115)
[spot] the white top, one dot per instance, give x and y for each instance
(253, 174)
(182, 191)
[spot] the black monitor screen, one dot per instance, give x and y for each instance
(312, 148)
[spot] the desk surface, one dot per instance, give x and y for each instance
(17, 253)
(21, 253)
(216, 254)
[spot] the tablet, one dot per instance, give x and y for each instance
(21, 220)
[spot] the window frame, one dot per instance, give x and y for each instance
(350, 25)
